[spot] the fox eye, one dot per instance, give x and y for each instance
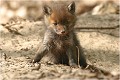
(67, 21)
(55, 23)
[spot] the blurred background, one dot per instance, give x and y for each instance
(32, 9)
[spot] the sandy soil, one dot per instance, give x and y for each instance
(20, 39)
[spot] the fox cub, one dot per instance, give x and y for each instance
(60, 44)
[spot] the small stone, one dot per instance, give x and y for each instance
(27, 57)
(114, 73)
(36, 66)
(4, 56)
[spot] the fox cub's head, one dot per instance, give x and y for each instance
(60, 17)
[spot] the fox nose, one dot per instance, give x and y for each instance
(62, 32)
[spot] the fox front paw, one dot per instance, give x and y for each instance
(35, 61)
(73, 65)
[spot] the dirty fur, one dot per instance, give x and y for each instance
(60, 44)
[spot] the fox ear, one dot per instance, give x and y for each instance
(47, 10)
(71, 7)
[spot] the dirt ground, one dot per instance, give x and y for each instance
(20, 39)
